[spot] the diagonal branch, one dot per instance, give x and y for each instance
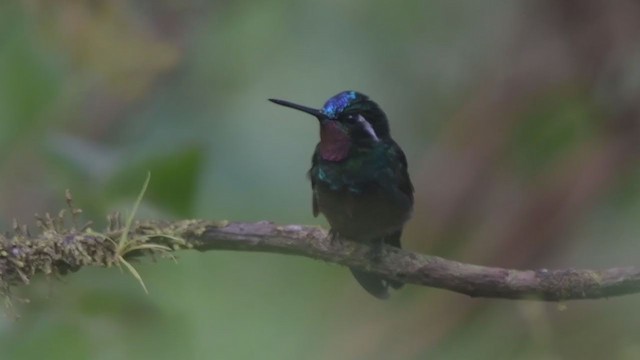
(58, 251)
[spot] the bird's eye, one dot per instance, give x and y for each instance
(351, 117)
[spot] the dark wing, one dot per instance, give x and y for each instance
(314, 201)
(402, 173)
(314, 198)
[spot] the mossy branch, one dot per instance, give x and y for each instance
(58, 249)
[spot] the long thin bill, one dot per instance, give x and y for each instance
(315, 112)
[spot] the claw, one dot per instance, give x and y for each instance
(334, 238)
(375, 252)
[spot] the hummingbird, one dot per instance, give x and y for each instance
(359, 179)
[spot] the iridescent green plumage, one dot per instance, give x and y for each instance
(359, 178)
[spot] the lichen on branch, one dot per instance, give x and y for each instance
(59, 247)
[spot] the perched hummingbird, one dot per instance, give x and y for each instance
(359, 178)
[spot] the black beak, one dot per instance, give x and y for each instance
(315, 112)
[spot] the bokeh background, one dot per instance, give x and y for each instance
(520, 120)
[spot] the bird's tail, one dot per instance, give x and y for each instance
(377, 285)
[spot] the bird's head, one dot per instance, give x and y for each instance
(348, 118)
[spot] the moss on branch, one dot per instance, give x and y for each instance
(58, 248)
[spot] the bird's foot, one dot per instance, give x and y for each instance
(334, 238)
(375, 252)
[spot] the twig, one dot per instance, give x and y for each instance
(56, 250)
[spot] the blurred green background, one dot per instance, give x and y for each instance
(520, 120)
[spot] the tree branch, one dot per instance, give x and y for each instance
(57, 250)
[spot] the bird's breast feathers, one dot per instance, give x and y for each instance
(363, 168)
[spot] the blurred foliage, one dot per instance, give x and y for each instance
(520, 121)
